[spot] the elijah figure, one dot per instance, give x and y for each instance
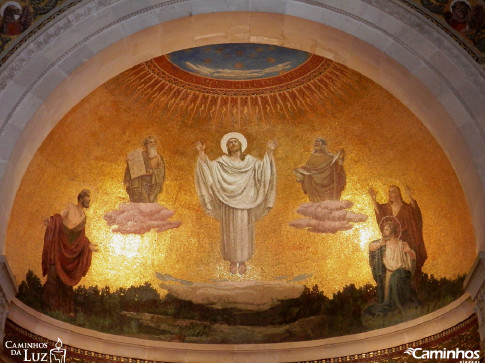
(323, 176)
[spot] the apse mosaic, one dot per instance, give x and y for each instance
(239, 193)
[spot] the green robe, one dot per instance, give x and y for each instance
(400, 295)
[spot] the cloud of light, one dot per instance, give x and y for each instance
(168, 277)
(251, 295)
(139, 218)
(329, 216)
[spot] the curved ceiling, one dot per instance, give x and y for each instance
(245, 90)
(238, 61)
(302, 47)
(383, 143)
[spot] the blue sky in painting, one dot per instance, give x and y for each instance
(238, 61)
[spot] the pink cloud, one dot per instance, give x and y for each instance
(139, 218)
(329, 216)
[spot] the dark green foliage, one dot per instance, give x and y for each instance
(312, 302)
(102, 303)
(345, 309)
(30, 291)
(98, 309)
(101, 309)
(432, 289)
(432, 294)
(142, 298)
(309, 303)
(193, 330)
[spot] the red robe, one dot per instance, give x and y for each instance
(411, 222)
(71, 259)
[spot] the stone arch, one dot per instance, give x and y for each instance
(401, 51)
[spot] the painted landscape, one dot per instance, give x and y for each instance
(140, 312)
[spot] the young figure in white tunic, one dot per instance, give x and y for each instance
(399, 261)
(237, 190)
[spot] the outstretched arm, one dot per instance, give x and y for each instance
(417, 216)
(201, 150)
(271, 146)
(373, 195)
(410, 196)
(374, 246)
(341, 157)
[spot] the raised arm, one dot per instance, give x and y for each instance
(373, 195)
(271, 146)
(201, 150)
(341, 157)
(374, 246)
(409, 194)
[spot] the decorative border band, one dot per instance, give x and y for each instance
(467, 329)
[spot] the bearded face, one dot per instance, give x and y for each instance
(319, 146)
(233, 145)
(394, 194)
(151, 148)
(388, 231)
(85, 201)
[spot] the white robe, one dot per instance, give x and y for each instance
(236, 193)
(395, 258)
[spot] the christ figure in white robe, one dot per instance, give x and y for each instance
(236, 189)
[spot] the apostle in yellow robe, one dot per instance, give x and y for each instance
(323, 176)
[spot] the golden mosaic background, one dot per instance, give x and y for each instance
(384, 143)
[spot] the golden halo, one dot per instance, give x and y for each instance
(391, 218)
(233, 135)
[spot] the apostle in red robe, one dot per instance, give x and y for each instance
(66, 256)
(411, 221)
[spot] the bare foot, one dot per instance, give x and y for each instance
(233, 268)
(242, 268)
